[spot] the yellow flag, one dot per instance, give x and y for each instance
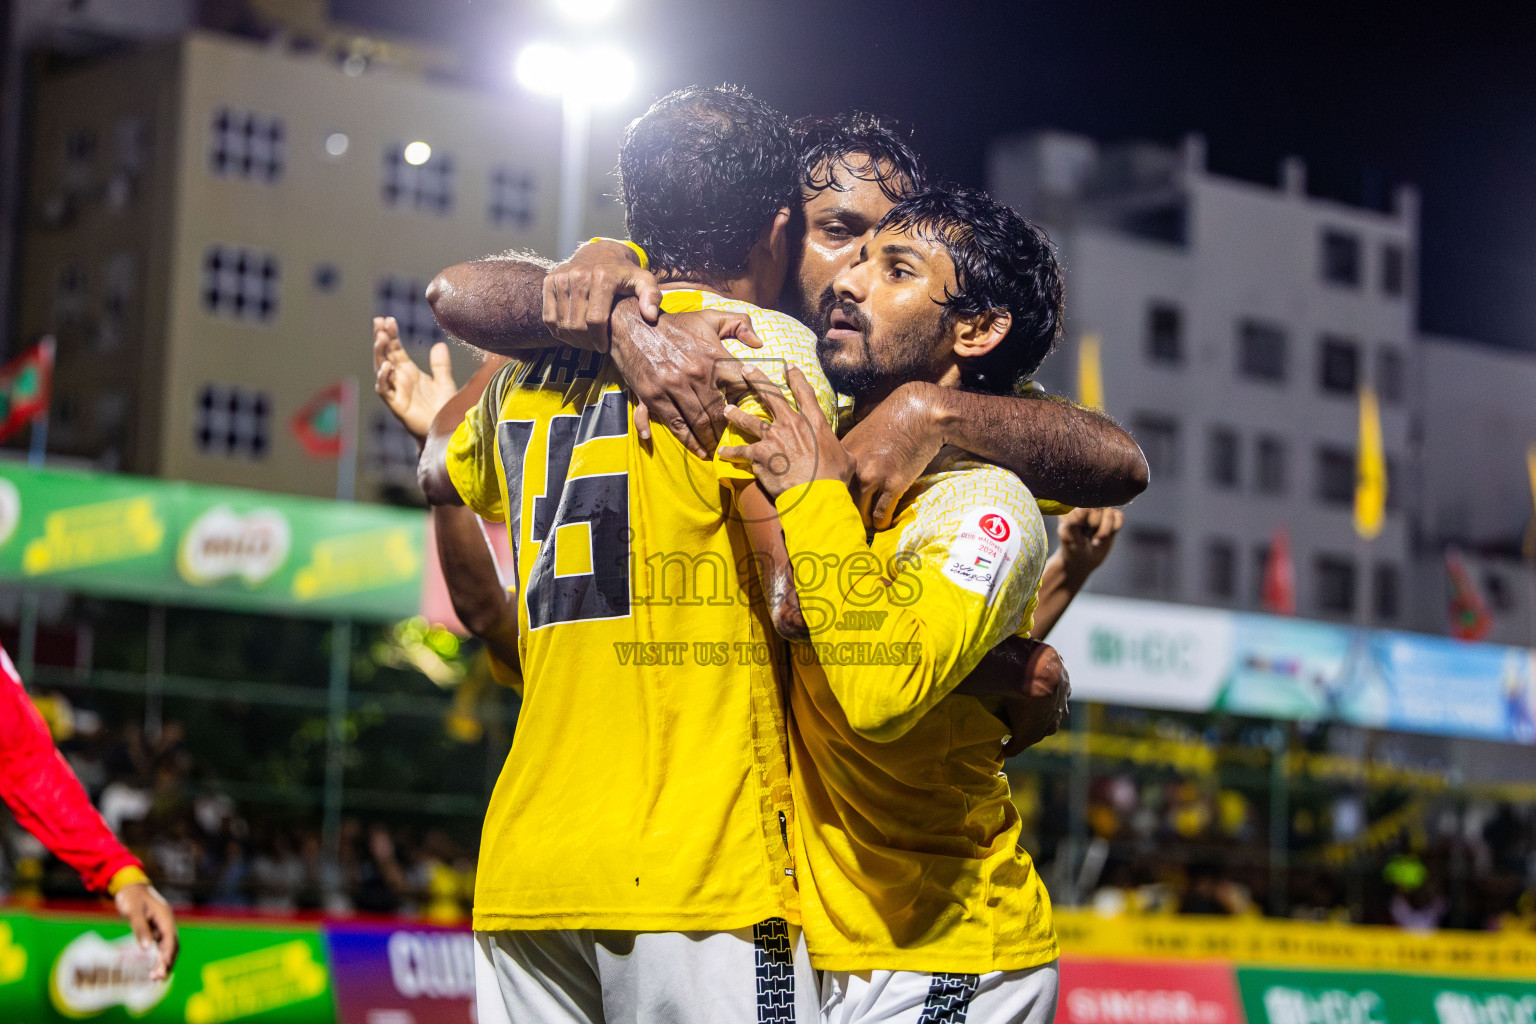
(1530, 531)
(1370, 470)
(1090, 378)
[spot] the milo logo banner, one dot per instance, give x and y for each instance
(91, 968)
(402, 973)
(154, 540)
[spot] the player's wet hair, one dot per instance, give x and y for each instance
(702, 173)
(826, 143)
(1003, 263)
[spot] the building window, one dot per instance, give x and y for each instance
(1165, 334)
(1260, 570)
(246, 145)
(1335, 476)
(1152, 562)
(1500, 594)
(1394, 269)
(79, 157)
(1341, 257)
(427, 187)
(239, 283)
(392, 452)
(1390, 372)
(233, 422)
(1335, 584)
(1261, 350)
(1221, 570)
(69, 296)
(1269, 466)
(1339, 366)
(511, 198)
(1224, 457)
(1158, 436)
(405, 299)
(1384, 590)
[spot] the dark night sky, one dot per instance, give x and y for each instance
(1370, 94)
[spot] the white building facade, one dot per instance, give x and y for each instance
(1237, 323)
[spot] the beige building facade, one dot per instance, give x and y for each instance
(211, 223)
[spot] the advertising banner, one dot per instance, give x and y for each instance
(410, 973)
(1146, 992)
(1337, 997)
(93, 968)
(1162, 655)
(179, 543)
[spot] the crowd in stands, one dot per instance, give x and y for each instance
(1157, 841)
(204, 850)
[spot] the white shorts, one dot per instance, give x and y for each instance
(757, 975)
(915, 997)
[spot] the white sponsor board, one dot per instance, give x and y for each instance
(1146, 653)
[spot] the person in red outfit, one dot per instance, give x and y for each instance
(47, 800)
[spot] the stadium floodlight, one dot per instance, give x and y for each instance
(593, 76)
(417, 153)
(585, 12)
(544, 68)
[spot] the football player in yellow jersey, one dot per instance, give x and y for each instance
(917, 902)
(635, 862)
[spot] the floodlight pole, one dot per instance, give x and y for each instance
(576, 133)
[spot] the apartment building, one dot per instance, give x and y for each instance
(1237, 323)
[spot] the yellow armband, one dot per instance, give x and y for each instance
(645, 261)
(130, 875)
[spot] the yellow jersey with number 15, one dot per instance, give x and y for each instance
(647, 786)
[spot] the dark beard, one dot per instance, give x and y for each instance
(905, 358)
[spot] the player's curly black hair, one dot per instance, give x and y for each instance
(1003, 263)
(702, 173)
(824, 143)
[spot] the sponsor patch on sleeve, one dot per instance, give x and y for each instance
(983, 550)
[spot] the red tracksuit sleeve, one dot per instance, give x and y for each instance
(44, 794)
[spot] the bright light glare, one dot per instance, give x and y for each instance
(417, 153)
(336, 143)
(610, 74)
(543, 68)
(585, 12)
(597, 74)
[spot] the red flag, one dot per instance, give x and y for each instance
(25, 383)
(1279, 595)
(1470, 618)
(319, 425)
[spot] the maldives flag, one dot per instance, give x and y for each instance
(1470, 618)
(24, 386)
(321, 425)
(1279, 594)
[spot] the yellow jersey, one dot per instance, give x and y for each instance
(907, 841)
(647, 785)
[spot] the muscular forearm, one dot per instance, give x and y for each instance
(496, 303)
(432, 469)
(475, 588)
(1062, 452)
(1058, 586)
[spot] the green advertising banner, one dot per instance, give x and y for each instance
(179, 543)
(1357, 997)
(91, 968)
